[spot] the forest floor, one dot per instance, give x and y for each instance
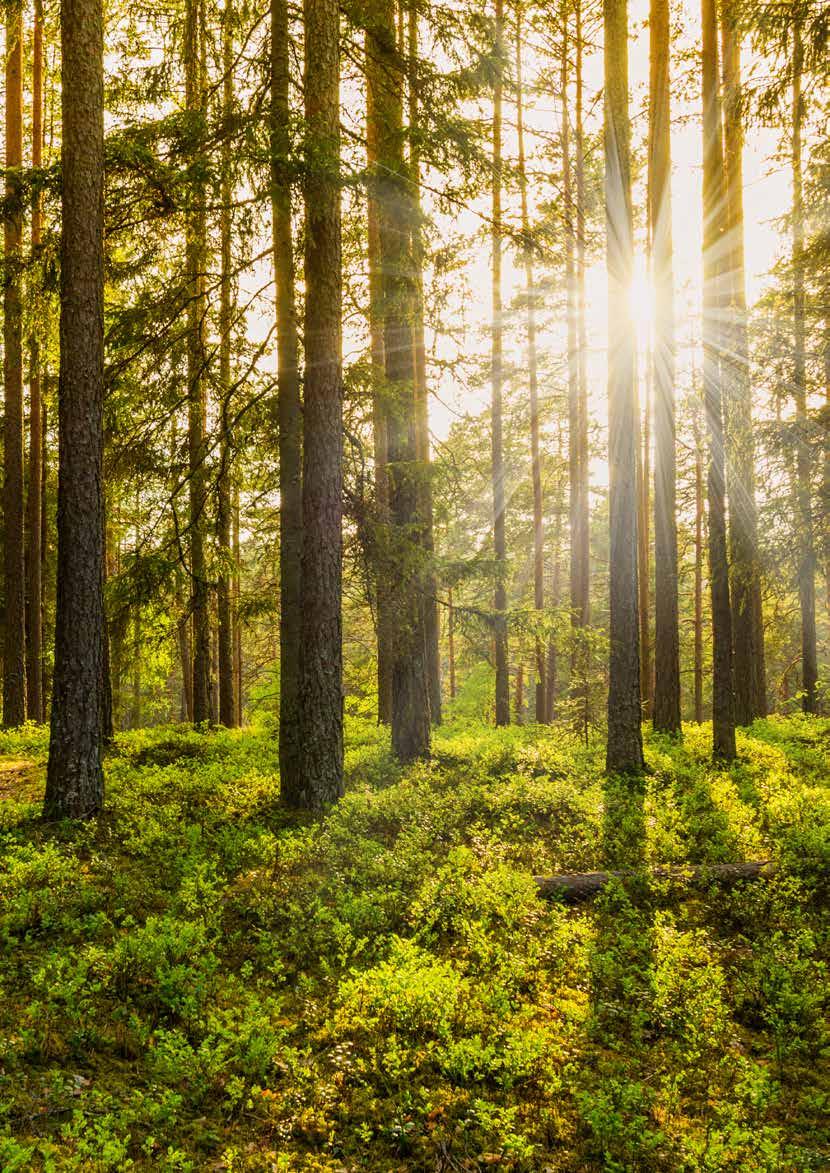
(201, 981)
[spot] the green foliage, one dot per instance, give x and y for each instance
(201, 980)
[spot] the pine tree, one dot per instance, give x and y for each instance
(497, 390)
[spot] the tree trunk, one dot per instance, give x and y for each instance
(643, 572)
(321, 695)
(410, 689)
(723, 715)
(237, 622)
(451, 642)
(195, 249)
(34, 578)
(432, 629)
(497, 386)
(666, 713)
(289, 412)
(533, 383)
(385, 623)
(745, 578)
(14, 657)
(698, 616)
(807, 560)
(74, 779)
(227, 700)
(624, 753)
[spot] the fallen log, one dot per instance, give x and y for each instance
(576, 886)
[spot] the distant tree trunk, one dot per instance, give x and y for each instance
(289, 413)
(227, 701)
(533, 382)
(807, 559)
(745, 579)
(666, 713)
(195, 248)
(74, 779)
(624, 753)
(723, 714)
(451, 642)
(552, 671)
(583, 516)
(575, 454)
(385, 619)
(321, 695)
(410, 689)
(826, 484)
(643, 560)
(237, 622)
(432, 630)
(519, 699)
(34, 522)
(698, 615)
(14, 657)
(497, 385)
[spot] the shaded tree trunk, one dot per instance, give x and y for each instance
(723, 715)
(34, 522)
(451, 642)
(583, 518)
(321, 696)
(289, 413)
(745, 577)
(643, 560)
(807, 559)
(74, 778)
(533, 386)
(698, 603)
(624, 753)
(237, 621)
(497, 388)
(666, 711)
(14, 656)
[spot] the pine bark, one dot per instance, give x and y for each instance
(582, 515)
(321, 693)
(74, 779)
(745, 574)
(497, 392)
(723, 712)
(195, 258)
(643, 440)
(624, 752)
(35, 710)
(666, 711)
(289, 412)
(533, 387)
(227, 700)
(14, 656)
(806, 553)
(393, 186)
(236, 587)
(698, 590)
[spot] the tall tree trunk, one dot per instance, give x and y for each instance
(451, 642)
(624, 753)
(34, 579)
(385, 621)
(643, 569)
(195, 249)
(237, 621)
(666, 714)
(745, 579)
(74, 779)
(575, 455)
(552, 668)
(583, 518)
(723, 713)
(410, 689)
(497, 386)
(826, 472)
(807, 559)
(321, 694)
(698, 612)
(533, 383)
(14, 657)
(289, 412)
(227, 700)
(432, 629)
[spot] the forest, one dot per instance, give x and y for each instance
(415, 587)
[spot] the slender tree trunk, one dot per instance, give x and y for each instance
(533, 381)
(698, 617)
(195, 249)
(497, 386)
(745, 578)
(410, 688)
(583, 517)
(643, 570)
(237, 621)
(227, 700)
(321, 694)
(74, 779)
(385, 619)
(14, 658)
(289, 413)
(432, 630)
(624, 752)
(666, 713)
(807, 559)
(34, 578)
(826, 474)
(552, 670)
(723, 713)
(451, 642)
